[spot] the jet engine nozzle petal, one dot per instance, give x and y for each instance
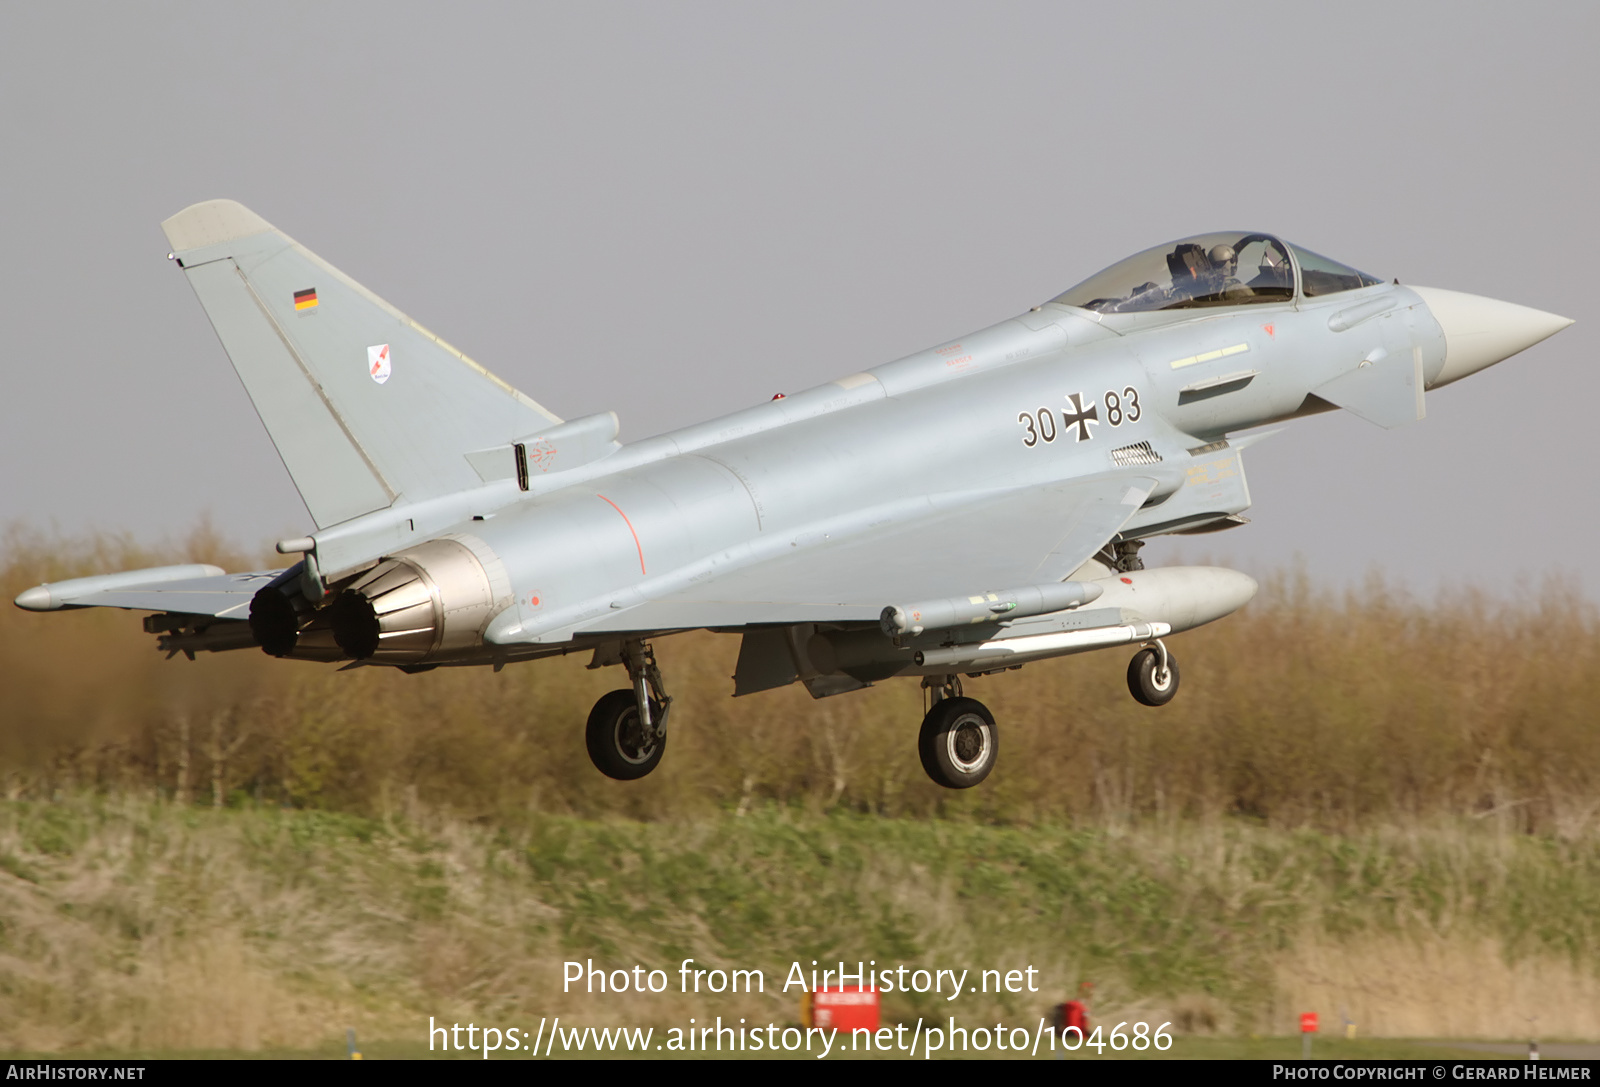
(432, 598)
(1479, 332)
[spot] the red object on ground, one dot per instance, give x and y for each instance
(1074, 1013)
(1308, 1022)
(845, 1008)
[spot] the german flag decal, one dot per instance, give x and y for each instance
(306, 299)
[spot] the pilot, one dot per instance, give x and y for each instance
(1207, 276)
(1223, 277)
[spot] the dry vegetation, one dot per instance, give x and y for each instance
(1360, 805)
(129, 923)
(1303, 710)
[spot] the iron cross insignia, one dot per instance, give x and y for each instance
(1080, 417)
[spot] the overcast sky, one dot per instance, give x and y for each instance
(676, 210)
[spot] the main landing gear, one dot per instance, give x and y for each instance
(1153, 675)
(627, 730)
(958, 742)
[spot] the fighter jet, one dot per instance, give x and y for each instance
(960, 512)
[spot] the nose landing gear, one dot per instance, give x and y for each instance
(1153, 675)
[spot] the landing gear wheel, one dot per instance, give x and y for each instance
(1147, 682)
(619, 747)
(958, 742)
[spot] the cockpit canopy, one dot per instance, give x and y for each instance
(1228, 269)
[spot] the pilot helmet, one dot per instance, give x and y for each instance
(1223, 258)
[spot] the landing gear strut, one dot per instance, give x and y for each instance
(959, 741)
(1153, 675)
(1122, 555)
(627, 729)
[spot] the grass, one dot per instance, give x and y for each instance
(148, 926)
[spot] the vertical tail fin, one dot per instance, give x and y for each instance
(364, 405)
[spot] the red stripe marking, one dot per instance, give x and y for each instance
(629, 523)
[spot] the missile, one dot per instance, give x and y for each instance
(985, 607)
(1007, 651)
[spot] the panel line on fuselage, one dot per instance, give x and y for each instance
(636, 544)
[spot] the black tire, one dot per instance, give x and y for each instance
(1142, 680)
(615, 740)
(958, 743)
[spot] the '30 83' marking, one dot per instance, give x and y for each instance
(1040, 426)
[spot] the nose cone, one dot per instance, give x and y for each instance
(1480, 332)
